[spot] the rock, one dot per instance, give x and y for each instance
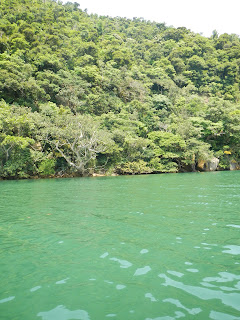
(213, 164)
(210, 165)
(201, 165)
(234, 165)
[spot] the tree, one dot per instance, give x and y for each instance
(15, 141)
(76, 138)
(168, 151)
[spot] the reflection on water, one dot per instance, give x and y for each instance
(177, 315)
(175, 273)
(144, 251)
(192, 270)
(224, 277)
(151, 297)
(179, 305)
(62, 313)
(233, 225)
(123, 263)
(104, 255)
(142, 271)
(229, 299)
(35, 288)
(62, 281)
(221, 316)
(232, 249)
(147, 247)
(7, 299)
(120, 286)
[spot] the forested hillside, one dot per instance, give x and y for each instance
(83, 94)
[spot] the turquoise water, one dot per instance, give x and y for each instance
(130, 247)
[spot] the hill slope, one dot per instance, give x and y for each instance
(83, 94)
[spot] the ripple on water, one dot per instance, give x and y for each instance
(209, 244)
(178, 304)
(224, 277)
(175, 273)
(151, 297)
(232, 249)
(229, 299)
(192, 270)
(61, 281)
(62, 313)
(104, 255)
(178, 314)
(35, 288)
(142, 271)
(233, 225)
(228, 288)
(144, 251)
(140, 244)
(120, 286)
(221, 316)
(123, 263)
(206, 284)
(7, 299)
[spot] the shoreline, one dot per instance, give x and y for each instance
(97, 175)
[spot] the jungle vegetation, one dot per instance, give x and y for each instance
(83, 94)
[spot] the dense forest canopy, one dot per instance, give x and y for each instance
(83, 94)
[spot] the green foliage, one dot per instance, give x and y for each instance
(46, 167)
(75, 138)
(135, 167)
(15, 132)
(82, 93)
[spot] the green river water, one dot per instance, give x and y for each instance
(130, 247)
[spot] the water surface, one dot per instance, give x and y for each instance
(146, 247)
